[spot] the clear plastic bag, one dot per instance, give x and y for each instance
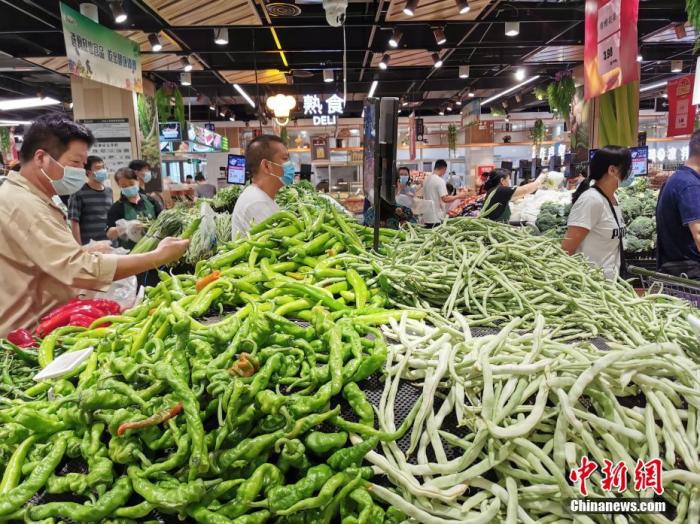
(203, 241)
(123, 291)
(130, 229)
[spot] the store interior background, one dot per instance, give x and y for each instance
(289, 48)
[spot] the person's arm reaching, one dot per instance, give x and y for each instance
(527, 189)
(169, 250)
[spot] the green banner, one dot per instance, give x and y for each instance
(97, 53)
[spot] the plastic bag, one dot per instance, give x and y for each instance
(123, 291)
(203, 241)
(130, 229)
(98, 246)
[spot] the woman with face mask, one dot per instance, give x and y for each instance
(41, 264)
(133, 206)
(404, 196)
(595, 226)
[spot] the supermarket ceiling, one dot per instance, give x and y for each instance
(286, 46)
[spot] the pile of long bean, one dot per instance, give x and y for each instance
(493, 273)
(531, 407)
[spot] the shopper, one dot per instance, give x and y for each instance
(87, 209)
(189, 179)
(267, 159)
(133, 206)
(405, 195)
(143, 172)
(41, 264)
(499, 193)
(204, 189)
(678, 218)
(596, 227)
(435, 195)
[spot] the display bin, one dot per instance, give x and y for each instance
(645, 260)
(654, 282)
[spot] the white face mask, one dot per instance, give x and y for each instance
(73, 179)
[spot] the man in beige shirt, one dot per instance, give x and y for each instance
(41, 264)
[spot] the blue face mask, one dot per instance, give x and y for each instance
(101, 175)
(147, 177)
(130, 191)
(73, 179)
(288, 172)
(403, 179)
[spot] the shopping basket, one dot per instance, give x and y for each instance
(654, 282)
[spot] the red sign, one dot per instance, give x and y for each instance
(610, 50)
(681, 111)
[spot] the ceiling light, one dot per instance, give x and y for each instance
(11, 123)
(212, 107)
(509, 90)
(395, 37)
(222, 113)
(410, 7)
(471, 95)
(384, 62)
(244, 94)
(328, 76)
(676, 66)
(186, 79)
(640, 58)
(439, 34)
(665, 95)
(652, 86)
(441, 113)
(372, 88)
(464, 71)
(520, 74)
(232, 118)
(512, 28)
(437, 61)
(221, 36)
(404, 103)
(154, 40)
(458, 102)
(449, 108)
(118, 12)
(26, 103)
(186, 66)
(462, 6)
(281, 105)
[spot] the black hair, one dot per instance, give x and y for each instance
(125, 172)
(694, 147)
(406, 169)
(617, 156)
(53, 133)
(188, 176)
(91, 161)
(138, 165)
(440, 164)
(199, 177)
(450, 189)
(495, 178)
(258, 150)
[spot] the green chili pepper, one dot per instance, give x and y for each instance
(332, 508)
(324, 496)
(139, 511)
(15, 498)
(321, 443)
(359, 403)
(348, 457)
(173, 496)
(13, 468)
(174, 460)
(263, 479)
(292, 455)
(284, 497)
(313, 294)
(359, 287)
(249, 448)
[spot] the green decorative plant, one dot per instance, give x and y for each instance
(452, 138)
(148, 129)
(170, 104)
(560, 94)
(540, 93)
(498, 111)
(537, 133)
(692, 8)
(284, 135)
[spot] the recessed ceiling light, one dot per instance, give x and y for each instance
(410, 7)
(458, 102)
(471, 95)
(154, 40)
(520, 74)
(328, 76)
(186, 66)
(676, 66)
(221, 36)
(437, 61)
(439, 34)
(186, 79)
(462, 6)
(512, 28)
(384, 62)
(441, 113)
(118, 12)
(464, 71)
(395, 37)
(449, 108)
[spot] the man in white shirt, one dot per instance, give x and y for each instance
(435, 195)
(267, 160)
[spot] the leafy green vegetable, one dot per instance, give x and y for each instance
(643, 227)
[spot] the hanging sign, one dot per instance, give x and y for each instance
(412, 136)
(610, 47)
(681, 111)
(420, 130)
(112, 141)
(97, 53)
(313, 107)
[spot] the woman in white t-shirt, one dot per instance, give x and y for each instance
(595, 226)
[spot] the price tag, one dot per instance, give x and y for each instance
(608, 19)
(609, 54)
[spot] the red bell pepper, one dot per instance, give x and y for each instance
(21, 338)
(63, 318)
(58, 310)
(78, 319)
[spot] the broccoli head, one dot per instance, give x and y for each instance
(632, 206)
(547, 220)
(636, 245)
(643, 228)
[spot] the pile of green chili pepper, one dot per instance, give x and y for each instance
(224, 419)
